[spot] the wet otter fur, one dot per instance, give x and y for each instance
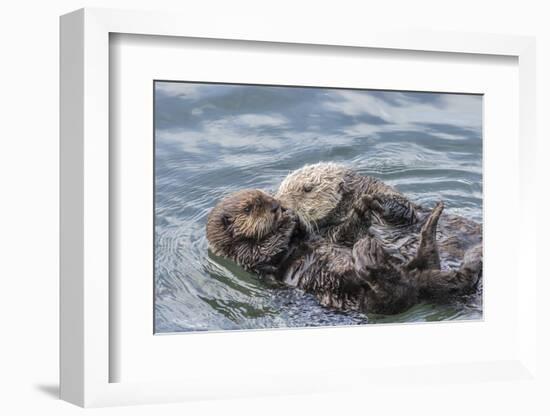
(324, 193)
(329, 197)
(253, 229)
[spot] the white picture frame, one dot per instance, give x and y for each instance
(86, 355)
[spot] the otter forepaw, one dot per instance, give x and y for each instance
(368, 203)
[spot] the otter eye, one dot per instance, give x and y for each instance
(248, 208)
(308, 187)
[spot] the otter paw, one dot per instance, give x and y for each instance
(368, 203)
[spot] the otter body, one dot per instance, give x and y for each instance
(330, 198)
(324, 193)
(254, 230)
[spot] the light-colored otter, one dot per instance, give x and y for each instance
(254, 230)
(324, 193)
(328, 198)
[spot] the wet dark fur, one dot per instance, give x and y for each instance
(364, 278)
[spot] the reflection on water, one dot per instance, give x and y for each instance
(211, 140)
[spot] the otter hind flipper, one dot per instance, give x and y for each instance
(434, 283)
(427, 255)
(442, 285)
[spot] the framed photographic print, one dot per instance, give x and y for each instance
(237, 210)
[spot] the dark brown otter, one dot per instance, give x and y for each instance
(254, 230)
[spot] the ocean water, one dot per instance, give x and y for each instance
(213, 139)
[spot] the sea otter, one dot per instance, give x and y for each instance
(326, 192)
(253, 229)
(325, 196)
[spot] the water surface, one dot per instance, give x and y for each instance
(212, 139)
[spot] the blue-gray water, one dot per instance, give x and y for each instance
(211, 140)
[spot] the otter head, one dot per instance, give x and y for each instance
(249, 215)
(313, 192)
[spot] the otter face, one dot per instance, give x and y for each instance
(248, 214)
(313, 192)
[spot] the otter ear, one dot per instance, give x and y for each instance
(226, 220)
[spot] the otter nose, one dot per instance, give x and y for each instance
(275, 206)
